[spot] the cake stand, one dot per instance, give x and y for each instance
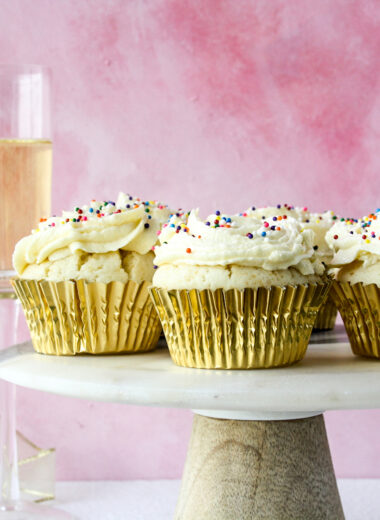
(258, 448)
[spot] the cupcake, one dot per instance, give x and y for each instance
(83, 278)
(320, 223)
(356, 289)
(237, 292)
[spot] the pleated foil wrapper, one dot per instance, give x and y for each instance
(75, 317)
(326, 316)
(239, 329)
(359, 306)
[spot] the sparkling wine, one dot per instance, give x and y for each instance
(25, 188)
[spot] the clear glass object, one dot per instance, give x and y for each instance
(25, 195)
(25, 156)
(36, 470)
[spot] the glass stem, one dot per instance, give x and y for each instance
(10, 489)
(9, 481)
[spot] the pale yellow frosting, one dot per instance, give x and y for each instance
(223, 240)
(355, 240)
(320, 223)
(128, 224)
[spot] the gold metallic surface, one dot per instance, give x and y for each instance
(73, 317)
(359, 306)
(7, 295)
(326, 316)
(239, 329)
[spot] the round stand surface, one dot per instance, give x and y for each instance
(229, 460)
(330, 377)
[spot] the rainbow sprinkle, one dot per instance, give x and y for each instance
(99, 210)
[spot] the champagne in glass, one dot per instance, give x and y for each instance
(25, 157)
(25, 187)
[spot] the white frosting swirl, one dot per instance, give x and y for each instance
(271, 211)
(353, 239)
(273, 244)
(320, 223)
(101, 227)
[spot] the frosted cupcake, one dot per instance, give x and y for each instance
(236, 292)
(356, 291)
(320, 223)
(84, 277)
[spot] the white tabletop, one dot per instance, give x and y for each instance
(107, 500)
(328, 378)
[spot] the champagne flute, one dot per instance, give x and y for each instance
(25, 156)
(25, 195)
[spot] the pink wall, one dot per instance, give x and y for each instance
(201, 103)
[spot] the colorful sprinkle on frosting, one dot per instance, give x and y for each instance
(101, 209)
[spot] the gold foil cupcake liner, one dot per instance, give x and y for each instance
(326, 316)
(359, 306)
(74, 317)
(239, 329)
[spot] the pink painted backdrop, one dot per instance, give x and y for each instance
(209, 103)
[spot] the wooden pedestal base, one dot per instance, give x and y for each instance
(259, 470)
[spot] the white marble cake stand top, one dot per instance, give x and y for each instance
(330, 377)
